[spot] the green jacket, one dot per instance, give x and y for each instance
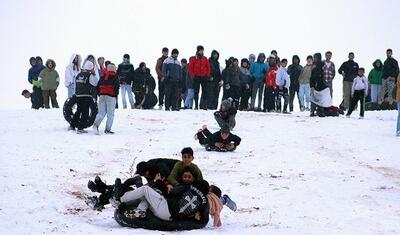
(375, 75)
(178, 170)
(49, 78)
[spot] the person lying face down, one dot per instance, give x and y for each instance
(187, 159)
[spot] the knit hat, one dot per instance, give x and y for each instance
(225, 129)
(111, 68)
(174, 51)
(88, 65)
(199, 48)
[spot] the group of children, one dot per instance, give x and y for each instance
(169, 185)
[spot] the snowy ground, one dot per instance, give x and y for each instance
(292, 174)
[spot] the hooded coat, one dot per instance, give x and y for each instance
(71, 72)
(259, 68)
(48, 77)
(33, 74)
(316, 80)
(375, 75)
(294, 71)
(215, 67)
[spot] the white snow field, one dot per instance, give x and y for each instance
(292, 174)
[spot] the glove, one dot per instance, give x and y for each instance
(114, 202)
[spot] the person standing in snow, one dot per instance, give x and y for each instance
(232, 82)
(72, 70)
(349, 70)
(102, 67)
(143, 84)
(329, 71)
(125, 73)
(283, 83)
(199, 71)
(245, 83)
(271, 91)
(214, 82)
(33, 78)
(172, 75)
(304, 85)
(317, 84)
(258, 71)
(359, 90)
(294, 71)
(189, 92)
(84, 81)
(161, 86)
(390, 73)
(108, 88)
(375, 80)
(49, 81)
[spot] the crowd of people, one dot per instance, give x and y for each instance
(254, 84)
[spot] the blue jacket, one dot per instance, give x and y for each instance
(171, 69)
(258, 71)
(34, 72)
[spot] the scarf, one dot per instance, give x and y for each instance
(215, 208)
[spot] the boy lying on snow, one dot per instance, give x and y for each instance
(220, 141)
(184, 173)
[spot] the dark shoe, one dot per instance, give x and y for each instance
(81, 131)
(312, 115)
(117, 189)
(92, 186)
(100, 185)
(109, 132)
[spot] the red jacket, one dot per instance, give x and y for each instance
(270, 77)
(199, 67)
(108, 84)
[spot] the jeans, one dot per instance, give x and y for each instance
(71, 90)
(125, 88)
(304, 95)
(398, 118)
(375, 92)
(106, 106)
(388, 85)
(189, 98)
(347, 93)
(257, 86)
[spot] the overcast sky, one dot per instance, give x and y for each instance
(57, 28)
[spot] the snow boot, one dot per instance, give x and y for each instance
(226, 200)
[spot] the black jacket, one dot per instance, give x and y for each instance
(125, 73)
(350, 69)
(390, 68)
(214, 66)
(216, 138)
(162, 165)
(143, 79)
(316, 80)
(294, 71)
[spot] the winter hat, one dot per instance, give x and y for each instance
(225, 129)
(126, 56)
(111, 68)
(141, 168)
(174, 51)
(88, 65)
(199, 48)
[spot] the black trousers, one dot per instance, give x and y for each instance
(171, 94)
(292, 93)
(161, 92)
(203, 136)
(213, 90)
(285, 95)
(244, 98)
(82, 112)
(358, 96)
(37, 98)
(269, 99)
(197, 82)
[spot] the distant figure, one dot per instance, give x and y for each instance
(49, 81)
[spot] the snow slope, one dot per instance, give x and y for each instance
(292, 174)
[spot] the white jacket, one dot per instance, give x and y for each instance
(359, 84)
(70, 73)
(282, 78)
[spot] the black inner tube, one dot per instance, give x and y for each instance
(69, 110)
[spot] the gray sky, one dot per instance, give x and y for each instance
(57, 28)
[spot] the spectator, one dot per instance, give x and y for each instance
(283, 84)
(215, 78)
(329, 71)
(72, 70)
(245, 82)
(294, 71)
(161, 87)
(304, 85)
(172, 76)
(258, 71)
(33, 78)
(199, 70)
(126, 73)
(49, 80)
(358, 92)
(390, 72)
(349, 70)
(375, 80)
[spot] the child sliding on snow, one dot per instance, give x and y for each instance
(220, 141)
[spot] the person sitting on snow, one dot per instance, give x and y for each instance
(150, 168)
(221, 141)
(226, 114)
